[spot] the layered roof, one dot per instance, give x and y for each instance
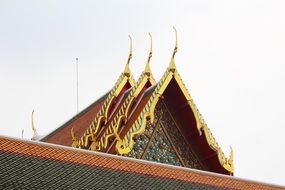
(109, 131)
(187, 116)
(37, 165)
(123, 114)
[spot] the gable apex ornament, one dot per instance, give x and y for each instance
(172, 66)
(127, 71)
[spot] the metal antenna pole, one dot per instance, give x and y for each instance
(77, 99)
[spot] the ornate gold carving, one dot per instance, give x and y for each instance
(125, 146)
(122, 114)
(127, 142)
(102, 115)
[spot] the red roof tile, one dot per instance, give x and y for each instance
(117, 163)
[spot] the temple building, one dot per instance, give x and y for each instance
(142, 134)
(149, 120)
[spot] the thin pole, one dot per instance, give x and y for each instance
(77, 99)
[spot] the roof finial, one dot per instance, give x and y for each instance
(172, 64)
(127, 68)
(33, 123)
(147, 67)
(176, 43)
(35, 135)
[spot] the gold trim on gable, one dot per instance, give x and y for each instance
(102, 115)
(125, 145)
(122, 114)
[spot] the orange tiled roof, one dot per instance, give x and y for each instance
(144, 170)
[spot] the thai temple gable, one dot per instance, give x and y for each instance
(140, 135)
(171, 91)
(152, 121)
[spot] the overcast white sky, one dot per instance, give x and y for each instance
(231, 56)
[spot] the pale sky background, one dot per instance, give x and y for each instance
(231, 57)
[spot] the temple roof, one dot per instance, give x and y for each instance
(79, 123)
(203, 138)
(26, 164)
(123, 113)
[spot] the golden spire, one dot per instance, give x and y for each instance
(127, 68)
(172, 64)
(147, 67)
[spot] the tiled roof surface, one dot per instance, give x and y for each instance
(34, 165)
(79, 123)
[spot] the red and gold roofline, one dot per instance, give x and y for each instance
(125, 144)
(111, 130)
(103, 115)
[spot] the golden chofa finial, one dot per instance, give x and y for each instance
(172, 64)
(176, 43)
(147, 67)
(127, 67)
